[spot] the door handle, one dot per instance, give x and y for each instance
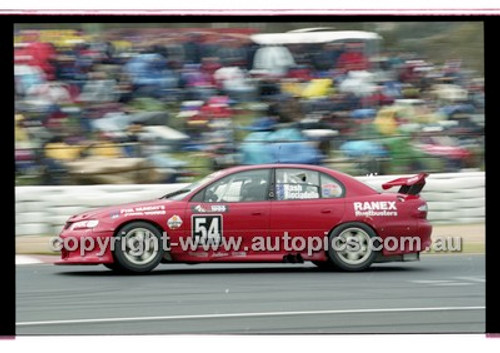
(256, 213)
(326, 210)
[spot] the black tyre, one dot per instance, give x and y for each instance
(114, 267)
(138, 248)
(351, 246)
(325, 265)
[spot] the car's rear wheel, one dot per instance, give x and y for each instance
(138, 248)
(351, 246)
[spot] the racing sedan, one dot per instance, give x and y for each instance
(261, 213)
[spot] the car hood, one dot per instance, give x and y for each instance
(105, 211)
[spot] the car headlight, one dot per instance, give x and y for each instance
(85, 224)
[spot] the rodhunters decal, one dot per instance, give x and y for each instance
(375, 208)
(210, 209)
(174, 222)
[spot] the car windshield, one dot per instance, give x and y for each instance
(180, 194)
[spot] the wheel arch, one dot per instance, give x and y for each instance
(369, 225)
(153, 223)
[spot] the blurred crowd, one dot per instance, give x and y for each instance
(146, 106)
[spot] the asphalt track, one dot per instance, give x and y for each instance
(439, 294)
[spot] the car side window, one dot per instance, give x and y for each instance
(297, 184)
(330, 188)
(246, 186)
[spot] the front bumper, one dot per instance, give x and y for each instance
(86, 247)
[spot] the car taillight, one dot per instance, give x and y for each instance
(422, 210)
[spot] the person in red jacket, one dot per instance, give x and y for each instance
(42, 55)
(352, 58)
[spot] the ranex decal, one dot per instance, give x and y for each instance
(143, 211)
(375, 208)
(210, 208)
(174, 222)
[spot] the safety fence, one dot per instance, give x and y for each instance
(43, 210)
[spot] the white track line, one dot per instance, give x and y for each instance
(473, 279)
(236, 315)
(27, 260)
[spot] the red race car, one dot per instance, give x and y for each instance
(261, 213)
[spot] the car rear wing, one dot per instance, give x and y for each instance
(411, 186)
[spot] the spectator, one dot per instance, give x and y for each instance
(353, 58)
(326, 59)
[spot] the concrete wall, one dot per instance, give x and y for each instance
(43, 210)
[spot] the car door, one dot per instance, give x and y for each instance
(236, 206)
(307, 203)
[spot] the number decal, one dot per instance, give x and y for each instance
(207, 228)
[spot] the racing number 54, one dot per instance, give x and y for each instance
(208, 229)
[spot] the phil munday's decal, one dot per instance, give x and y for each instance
(143, 211)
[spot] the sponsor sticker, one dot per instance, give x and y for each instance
(114, 214)
(198, 254)
(331, 190)
(174, 222)
(375, 208)
(210, 208)
(220, 254)
(239, 253)
(143, 211)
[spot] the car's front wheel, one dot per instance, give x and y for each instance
(138, 248)
(352, 246)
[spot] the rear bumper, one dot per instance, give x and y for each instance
(399, 258)
(425, 231)
(415, 241)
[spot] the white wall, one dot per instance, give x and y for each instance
(43, 210)
(452, 197)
